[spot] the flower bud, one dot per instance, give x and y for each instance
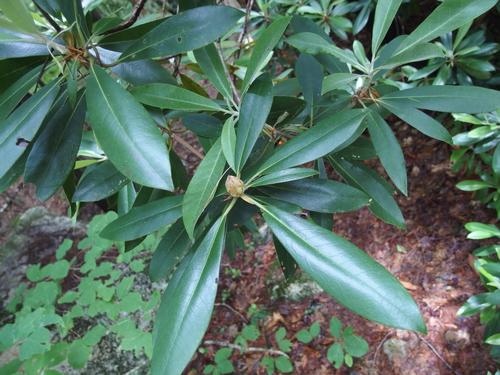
(234, 186)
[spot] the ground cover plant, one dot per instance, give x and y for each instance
(87, 106)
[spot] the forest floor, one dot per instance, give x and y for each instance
(431, 257)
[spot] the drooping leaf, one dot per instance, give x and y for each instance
(144, 219)
(184, 32)
(127, 133)
(388, 150)
(187, 305)
(54, 152)
(23, 124)
(385, 12)
(210, 62)
(263, 47)
(288, 265)
(345, 272)
(310, 75)
(255, 108)
(228, 142)
(319, 195)
(11, 97)
(202, 187)
(99, 181)
(166, 96)
(284, 175)
(12, 70)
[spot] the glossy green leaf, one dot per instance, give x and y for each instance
(495, 162)
(388, 150)
(144, 219)
(287, 263)
(285, 109)
(329, 135)
(263, 47)
(344, 271)
(54, 152)
(228, 142)
(73, 12)
(121, 40)
(19, 13)
(461, 99)
(448, 16)
(384, 14)
(338, 81)
(210, 62)
(383, 204)
(419, 120)
(99, 181)
(184, 32)
(23, 124)
(202, 187)
(127, 133)
(166, 96)
(424, 51)
(319, 195)
(11, 70)
(187, 305)
(16, 45)
(310, 75)
(202, 124)
(11, 97)
(285, 175)
(143, 72)
(255, 108)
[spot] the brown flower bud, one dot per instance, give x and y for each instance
(234, 186)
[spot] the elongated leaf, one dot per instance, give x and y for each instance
(228, 142)
(23, 124)
(172, 248)
(345, 272)
(54, 152)
(338, 81)
(254, 110)
(143, 72)
(285, 109)
(419, 120)
(187, 305)
(123, 39)
(383, 205)
(184, 32)
(99, 181)
(13, 173)
(11, 97)
(127, 133)
(314, 44)
(448, 16)
(310, 75)
(288, 265)
(425, 51)
(319, 195)
(384, 14)
(495, 162)
(73, 12)
(210, 62)
(17, 11)
(145, 219)
(461, 99)
(329, 135)
(388, 150)
(15, 45)
(263, 47)
(11, 70)
(165, 96)
(284, 175)
(202, 187)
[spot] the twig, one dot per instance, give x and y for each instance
(245, 27)
(48, 18)
(233, 310)
(379, 346)
(436, 353)
(188, 146)
(139, 6)
(243, 350)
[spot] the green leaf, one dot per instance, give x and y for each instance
(184, 32)
(448, 16)
(315, 329)
(310, 75)
(285, 175)
(462, 99)
(338, 81)
(228, 142)
(15, 45)
(255, 108)
(419, 120)
(143, 72)
(329, 135)
(319, 195)
(127, 133)
(165, 96)
(79, 354)
(287, 263)
(210, 62)
(54, 152)
(73, 12)
(425, 51)
(11, 97)
(383, 204)
(304, 336)
(493, 339)
(18, 12)
(495, 162)
(263, 47)
(202, 187)
(384, 14)
(23, 124)
(335, 355)
(388, 150)
(335, 327)
(356, 346)
(187, 305)
(145, 219)
(473, 185)
(99, 181)
(283, 364)
(344, 271)
(250, 332)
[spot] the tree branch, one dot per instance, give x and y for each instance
(243, 350)
(139, 6)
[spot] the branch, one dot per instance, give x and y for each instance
(245, 27)
(187, 146)
(243, 350)
(139, 6)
